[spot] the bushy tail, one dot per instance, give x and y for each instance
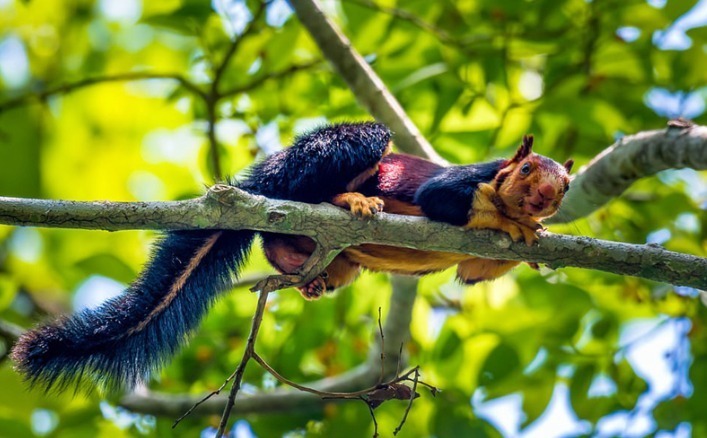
(119, 343)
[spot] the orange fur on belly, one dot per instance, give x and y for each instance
(402, 260)
(394, 206)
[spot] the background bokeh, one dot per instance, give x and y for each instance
(565, 353)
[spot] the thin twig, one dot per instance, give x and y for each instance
(266, 77)
(213, 97)
(214, 153)
(380, 330)
(200, 402)
(11, 332)
(83, 83)
(247, 355)
(412, 399)
(373, 416)
(256, 357)
(400, 359)
(233, 48)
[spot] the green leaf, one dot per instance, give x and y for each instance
(499, 364)
(448, 344)
(537, 393)
(588, 408)
(186, 19)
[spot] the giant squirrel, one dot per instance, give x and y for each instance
(119, 343)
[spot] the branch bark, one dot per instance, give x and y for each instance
(629, 159)
(225, 207)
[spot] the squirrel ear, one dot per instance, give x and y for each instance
(525, 149)
(568, 165)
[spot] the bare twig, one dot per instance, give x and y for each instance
(373, 396)
(11, 332)
(243, 281)
(204, 399)
(380, 331)
(233, 48)
(412, 399)
(83, 83)
(247, 355)
(268, 76)
(213, 97)
(373, 417)
(400, 360)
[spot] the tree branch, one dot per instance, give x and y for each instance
(629, 159)
(266, 77)
(9, 331)
(225, 207)
(212, 98)
(363, 81)
(73, 86)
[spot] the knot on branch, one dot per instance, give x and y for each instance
(227, 195)
(275, 216)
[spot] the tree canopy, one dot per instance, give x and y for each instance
(145, 100)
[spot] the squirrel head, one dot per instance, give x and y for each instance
(531, 185)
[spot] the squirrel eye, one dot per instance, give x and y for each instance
(525, 170)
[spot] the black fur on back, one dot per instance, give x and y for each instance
(320, 164)
(448, 196)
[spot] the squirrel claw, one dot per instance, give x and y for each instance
(529, 235)
(367, 207)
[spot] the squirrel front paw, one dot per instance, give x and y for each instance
(359, 205)
(496, 221)
(519, 232)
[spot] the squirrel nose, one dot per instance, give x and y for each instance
(547, 191)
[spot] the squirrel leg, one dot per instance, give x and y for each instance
(485, 214)
(287, 254)
(360, 205)
(475, 270)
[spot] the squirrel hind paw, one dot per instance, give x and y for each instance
(315, 289)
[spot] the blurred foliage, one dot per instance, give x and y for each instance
(474, 76)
